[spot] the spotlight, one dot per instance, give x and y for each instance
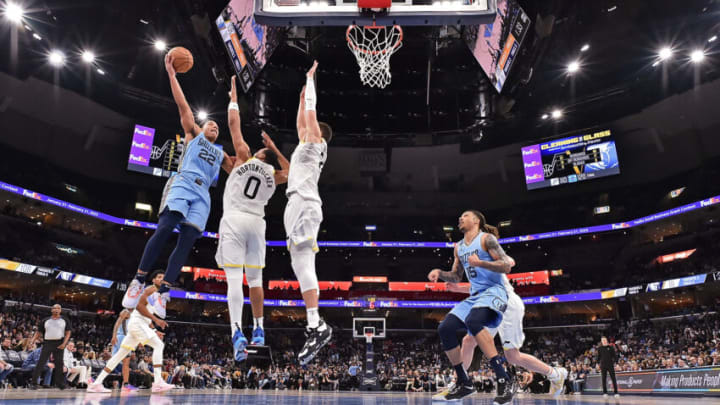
(712, 38)
(573, 67)
(697, 56)
(545, 116)
(56, 58)
(557, 113)
(88, 57)
(585, 48)
(36, 36)
(665, 53)
(160, 45)
(202, 115)
(100, 71)
(14, 12)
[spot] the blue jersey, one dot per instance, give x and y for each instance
(201, 160)
(480, 278)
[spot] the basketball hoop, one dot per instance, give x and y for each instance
(373, 46)
(369, 337)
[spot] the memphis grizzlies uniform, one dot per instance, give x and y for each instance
(487, 288)
(511, 329)
(138, 326)
(303, 213)
(188, 191)
(242, 228)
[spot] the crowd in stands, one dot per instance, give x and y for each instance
(198, 356)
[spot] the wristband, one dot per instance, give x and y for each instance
(310, 97)
(233, 106)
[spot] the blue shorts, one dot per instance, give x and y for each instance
(188, 198)
(494, 298)
(116, 347)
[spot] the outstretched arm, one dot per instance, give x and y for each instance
(301, 127)
(186, 115)
(282, 174)
(313, 133)
(501, 263)
(242, 150)
(228, 162)
(455, 275)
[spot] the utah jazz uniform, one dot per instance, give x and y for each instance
(242, 228)
(511, 329)
(138, 326)
(487, 288)
(188, 191)
(303, 213)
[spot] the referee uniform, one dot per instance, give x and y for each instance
(54, 330)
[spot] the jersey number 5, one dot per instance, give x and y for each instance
(472, 273)
(251, 187)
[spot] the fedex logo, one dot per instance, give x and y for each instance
(31, 194)
(621, 225)
(145, 131)
(192, 296)
(449, 245)
(526, 238)
(369, 244)
(536, 176)
(138, 159)
(534, 163)
(709, 201)
(141, 145)
(549, 300)
(131, 223)
(530, 151)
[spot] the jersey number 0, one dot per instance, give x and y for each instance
(251, 187)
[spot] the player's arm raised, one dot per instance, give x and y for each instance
(454, 276)
(187, 120)
(228, 162)
(282, 174)
(142, 307)
(501, 263)
(301, 126)
(313, 133)
(242, 150)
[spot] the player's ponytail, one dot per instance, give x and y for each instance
(484, 226)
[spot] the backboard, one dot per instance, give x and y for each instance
(363, 325)
(348, 12)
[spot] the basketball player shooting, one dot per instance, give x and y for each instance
(186, 198)
(484, 261)
(303, 213)
(249, 187)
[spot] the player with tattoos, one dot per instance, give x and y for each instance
(485, 263)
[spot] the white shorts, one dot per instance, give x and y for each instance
(302, 221)
(511, 329)
(138, 333)
(242, 241)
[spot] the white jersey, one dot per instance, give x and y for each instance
(152, 306)
(306, 165)
(249, 188)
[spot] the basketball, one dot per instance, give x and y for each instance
(182, 59)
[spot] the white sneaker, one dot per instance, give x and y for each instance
(557, 385)
(132, 295)
(98, 388)
(617, 395)
(162, 386)
(605, 395)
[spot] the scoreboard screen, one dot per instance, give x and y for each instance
(156, 153)
(570, 160)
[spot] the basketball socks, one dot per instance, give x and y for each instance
(462, 376)
(157, 374)
(258, 322)
(313, 317)
(498, 365)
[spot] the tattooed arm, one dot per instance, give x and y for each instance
(455, 275)
(502, 263)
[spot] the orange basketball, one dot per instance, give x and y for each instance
(182, 59)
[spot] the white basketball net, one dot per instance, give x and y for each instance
(373, 46)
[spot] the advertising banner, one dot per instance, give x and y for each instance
(704, 381)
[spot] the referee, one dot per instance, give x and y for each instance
(607, 358)
(56, 333)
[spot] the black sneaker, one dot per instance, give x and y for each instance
(460, 391)
(317, 338)
(32, 386)
(505, 391)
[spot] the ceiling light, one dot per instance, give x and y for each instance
(573, 67)
(557, 113)
(100, 71)
(585, 48)
(712, 38)
(202, 115)
(36, 36)
(14, 12)
(88, 57)
(56, 58)
(697, 56)
(657, 62)
(544, 116)
(144, 21)
(160, 45)
(665, 53)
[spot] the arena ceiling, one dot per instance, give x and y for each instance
(616, 75)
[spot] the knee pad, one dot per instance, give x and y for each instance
(303, 263)
(254, 277)
(480, 318)
(448, 332)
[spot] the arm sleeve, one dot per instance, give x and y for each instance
(310, 96)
